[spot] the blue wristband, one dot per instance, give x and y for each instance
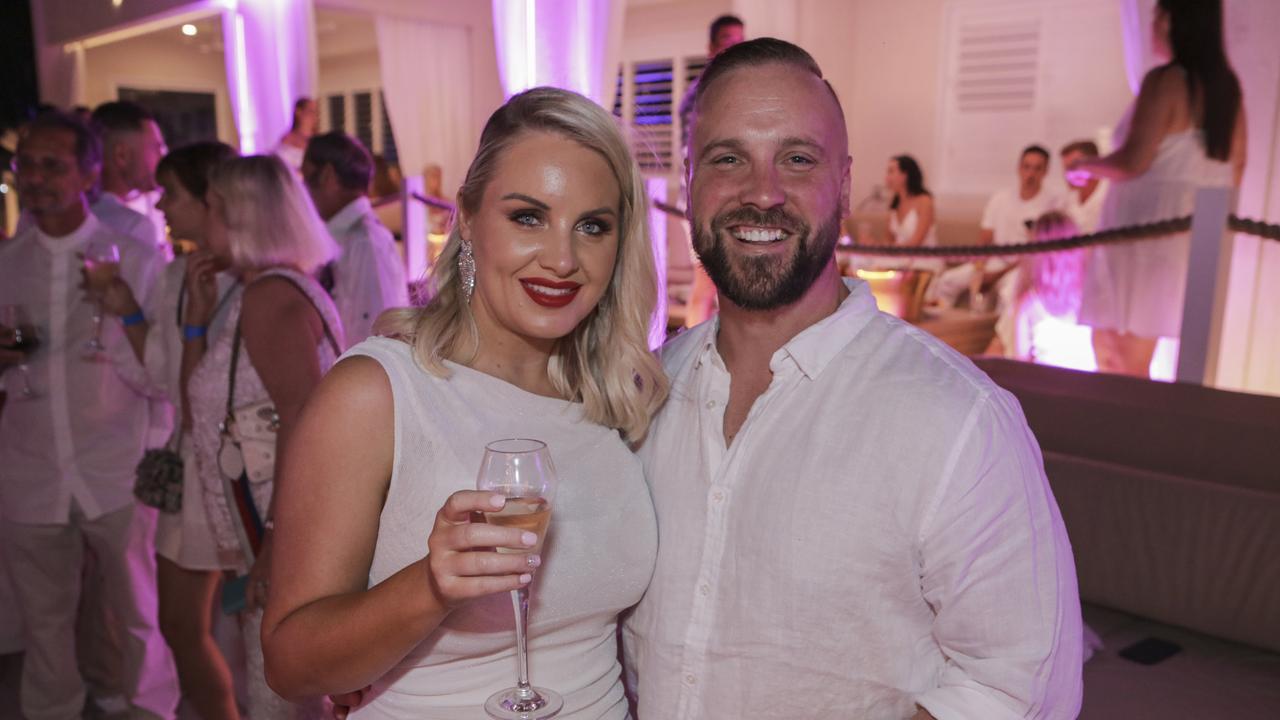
(193, 332)
(135, 319)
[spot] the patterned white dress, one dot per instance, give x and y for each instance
(207, 393)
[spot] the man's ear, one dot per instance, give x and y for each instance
(846, 188)
(329, 176)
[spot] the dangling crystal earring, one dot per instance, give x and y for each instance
(467, 271)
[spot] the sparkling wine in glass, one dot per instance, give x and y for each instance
(522, 471)
(18, 333)
(101, 266)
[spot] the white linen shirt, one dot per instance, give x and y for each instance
(84, 436)
(369, 276)
(880, 534)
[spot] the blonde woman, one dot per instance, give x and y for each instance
(544, 294)
(281, 335)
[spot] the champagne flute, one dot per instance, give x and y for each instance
(522, 471)
(101, 265)
(22, 336)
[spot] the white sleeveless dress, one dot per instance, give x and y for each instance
(597, 561)
(1138, 287)
(903, 230)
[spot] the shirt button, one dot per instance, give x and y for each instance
(690, 679)
(717, 496)
(705, 589)
(711, 404)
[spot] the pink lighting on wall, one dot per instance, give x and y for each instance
(270, 63)
(571, 44)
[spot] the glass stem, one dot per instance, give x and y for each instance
(520, 600)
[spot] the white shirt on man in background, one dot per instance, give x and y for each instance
(1087, 215)
(369, 276)
(83, 437)
(879, 534)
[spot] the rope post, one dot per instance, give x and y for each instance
(1205, 297)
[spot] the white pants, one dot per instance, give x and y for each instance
(45, 562)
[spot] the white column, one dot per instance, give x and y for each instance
(1205, 298)
(271, 62)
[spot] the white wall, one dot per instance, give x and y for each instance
(154, 63)
(1250, 350)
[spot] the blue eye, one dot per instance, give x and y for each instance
(594, 227)
(800, 159)
(725, 160)
(527, 218)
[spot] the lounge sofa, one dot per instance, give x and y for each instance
(1171, 497)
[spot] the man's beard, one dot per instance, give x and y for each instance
(765, 282)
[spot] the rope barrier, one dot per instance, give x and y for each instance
(1130, 233)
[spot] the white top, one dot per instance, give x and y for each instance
(207, 393)
(292, 156)
(1088, 214)
(83, 438)
(1007, 213)
(369, 276)
(905, 229)
(597, 560)
(880, 534)
(1139, 287)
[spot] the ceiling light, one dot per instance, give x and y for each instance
(189, 30)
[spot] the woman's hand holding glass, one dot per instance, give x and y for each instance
(463, 561)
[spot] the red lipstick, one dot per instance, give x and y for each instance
(550, 293)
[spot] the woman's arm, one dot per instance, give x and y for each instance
(924, 221)
(201, 301)
(323, 631)
(1162, 90)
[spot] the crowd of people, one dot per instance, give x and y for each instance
(1185, 131)
(803, 508)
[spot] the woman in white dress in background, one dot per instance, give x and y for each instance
(1186, 131)
(911, 219)
(538, 329)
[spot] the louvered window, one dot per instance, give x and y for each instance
(364, 118)
(363, 113)
(998, 66)
(648, 100)
(337, 106)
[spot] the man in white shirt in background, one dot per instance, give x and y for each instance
(369, 276)
(132, 146)
(1084, 202)
(1006, 220)
(855, 521)
(67, 457)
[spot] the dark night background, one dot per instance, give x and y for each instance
(18, 92)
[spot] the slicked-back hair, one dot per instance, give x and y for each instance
(721, 23)
(1088, 148)
(351, 162)
(193, 164)
(88, 148)
(754, 53)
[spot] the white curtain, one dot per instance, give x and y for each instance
(271, 62)
(1136, 17)
(426, 80)
(571, 44)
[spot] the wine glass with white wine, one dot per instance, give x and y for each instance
(101, 266)
(522, 471)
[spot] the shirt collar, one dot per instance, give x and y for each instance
(814, 347)
(71, 241)
(347, 216)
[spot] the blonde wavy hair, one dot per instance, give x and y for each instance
(605, 363)
(270, 218)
